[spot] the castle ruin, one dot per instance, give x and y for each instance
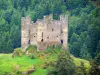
(44, 33)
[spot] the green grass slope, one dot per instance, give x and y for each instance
(16, 65)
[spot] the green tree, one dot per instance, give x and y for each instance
(75, 45)
(65, 65)
(98, 47)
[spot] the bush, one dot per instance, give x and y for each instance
(31, 56)
(95, 65)
(64, 65)
(58, 47)
(18, 52)
(18, 73)
(81, 70)
(53, 49)
(31, 49)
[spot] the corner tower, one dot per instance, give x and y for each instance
(64, 30)
(25, 32)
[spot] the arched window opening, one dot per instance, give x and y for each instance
(29, 42)
(48, 37)
(61, 41)
(42, 40)
(52, 29)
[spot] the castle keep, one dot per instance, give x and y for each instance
(44, 32)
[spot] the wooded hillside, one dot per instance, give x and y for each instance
(84, 24)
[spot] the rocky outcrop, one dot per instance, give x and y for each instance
(29, 71)
(17, 52)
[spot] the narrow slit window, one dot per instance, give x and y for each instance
(61, 41)
(42, 34)
(52, 29)
(29, 42)
(48, 37)
(42, 40)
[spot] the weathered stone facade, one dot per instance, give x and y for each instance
(44, 32)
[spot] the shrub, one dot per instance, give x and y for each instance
(64, 65)
(31, 49)
(18, 73)
(31, 56)
(17, 52)
(58, 47)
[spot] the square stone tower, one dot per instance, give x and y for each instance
(44, 32)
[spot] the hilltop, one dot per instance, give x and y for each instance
(40, 62)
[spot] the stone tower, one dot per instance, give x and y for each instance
(64, 30)
(44, 32)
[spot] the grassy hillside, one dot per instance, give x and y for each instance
(41, 63)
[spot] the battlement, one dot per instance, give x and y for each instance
(63, 17)
(49, 17)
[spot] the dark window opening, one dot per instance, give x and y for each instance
(42, 40)
(52, 29)
(57, 36)
(61, 31)
(29, 42)
(29, 34)
(29, 31)
(47, 37)
(42, 34)
(34, 36)
(61, 41)
(53, 46)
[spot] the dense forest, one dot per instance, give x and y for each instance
(84, 23)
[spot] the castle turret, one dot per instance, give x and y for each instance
(50, 17)
(64, 31)
(25, 32)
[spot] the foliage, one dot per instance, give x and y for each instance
(11, 12)
(9, 65)
(81, 69)
(42, 64)
(17, 52)
(84, 25)
(31, 56)
(83, 37)
(64, 65)
(84, 34)
(31, 48)
(95, 68)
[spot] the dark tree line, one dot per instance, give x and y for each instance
(84, 24)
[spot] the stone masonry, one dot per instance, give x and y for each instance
(44, 33)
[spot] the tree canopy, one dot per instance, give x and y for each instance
(84, 24)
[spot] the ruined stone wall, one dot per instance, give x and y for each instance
(33, 34)
(25, 32)
(64, 30)
(44, 32)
